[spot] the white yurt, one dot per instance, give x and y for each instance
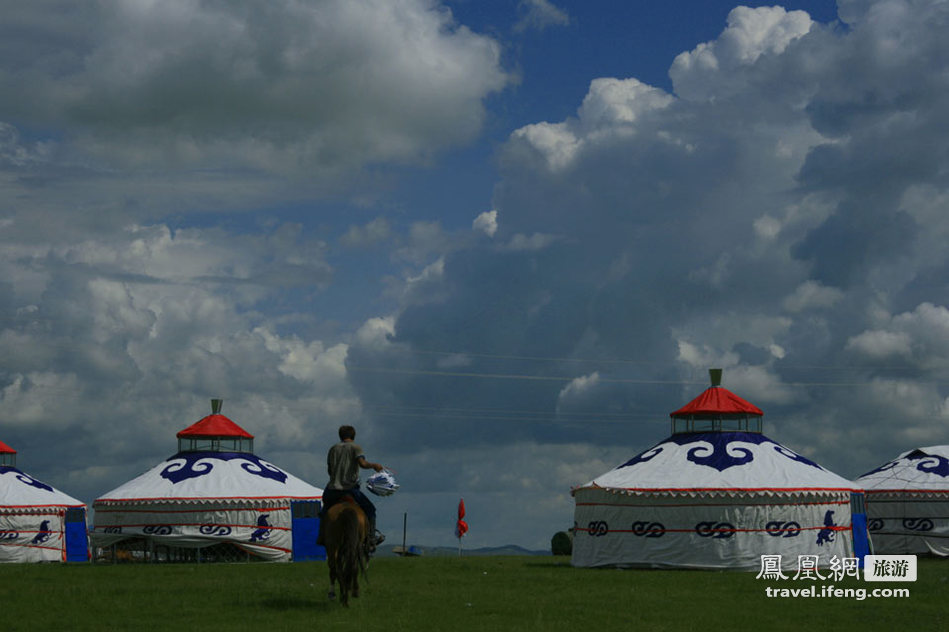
(908, 503)
(716, 494)
(213, 500)
(38, 523)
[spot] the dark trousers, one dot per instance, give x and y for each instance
(334, 496)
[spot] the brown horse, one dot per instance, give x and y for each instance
(346, 548)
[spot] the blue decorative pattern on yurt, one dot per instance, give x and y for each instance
(930, 463)
(714, 449)
(24, 478)
(185, 465)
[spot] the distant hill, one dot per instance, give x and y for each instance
(449, 551)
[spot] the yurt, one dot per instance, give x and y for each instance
(214, 500)
(38, 523)
(908, 503)
(716, 494)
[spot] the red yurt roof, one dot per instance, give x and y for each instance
(717, 401)
(5, 449)
(215, 425)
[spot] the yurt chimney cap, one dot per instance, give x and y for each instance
(715, 375)
(216, 405)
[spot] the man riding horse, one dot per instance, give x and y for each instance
(343, 463)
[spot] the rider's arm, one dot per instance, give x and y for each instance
(366, 465)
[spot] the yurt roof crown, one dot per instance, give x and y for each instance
(7, 455)
(215, 433)
(717, 410)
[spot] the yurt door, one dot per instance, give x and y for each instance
(305, 525)
(77, 543)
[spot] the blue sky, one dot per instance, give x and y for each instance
(502, 239)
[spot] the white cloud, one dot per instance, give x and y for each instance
(20, 405)
(881, 344)
(554, 141)
(427, 285)
(14, 153)
(308, 362)
(612, 103)
(424, 240)
(376, 332)
(317, 88)
(537, 241)
(704, 357)
(767, 227)
(540, 14)
(758, 384)
(921, 336)
(370, 234)
(578, 388)
(706, 71)
(812, 295)
(611, 107)
(486, 223)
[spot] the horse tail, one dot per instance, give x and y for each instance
(351, 548)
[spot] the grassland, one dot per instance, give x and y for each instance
(468, 593)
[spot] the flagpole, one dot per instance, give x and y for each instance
(461, 527)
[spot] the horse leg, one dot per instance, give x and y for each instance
(343, 592)
(330, 562)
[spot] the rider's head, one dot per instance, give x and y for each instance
(347, 432)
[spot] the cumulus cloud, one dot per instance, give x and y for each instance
(146, 326)
(779, 215)
(919, 336)
(320, 88)
(716, 68)
(881, 344)
(612, 107)
(776, 216)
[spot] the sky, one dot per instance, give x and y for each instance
(504, 240)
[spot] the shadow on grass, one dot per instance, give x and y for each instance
(564, 564)
(298, 603)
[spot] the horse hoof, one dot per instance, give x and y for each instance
(331, 595)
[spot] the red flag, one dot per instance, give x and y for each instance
(461, 527)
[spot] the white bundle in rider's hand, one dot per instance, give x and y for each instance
(382, 483)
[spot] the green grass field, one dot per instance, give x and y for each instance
(468, 593)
